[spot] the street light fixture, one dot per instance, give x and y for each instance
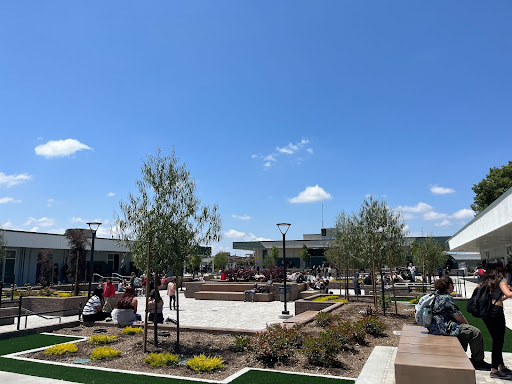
(283, 228)
(93, 226)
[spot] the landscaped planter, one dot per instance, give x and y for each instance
(64, 306)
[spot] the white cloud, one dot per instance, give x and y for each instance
(60, 148)
(12, 180)
(7, 225)
(253, 237)
(268, 164)
(77, 220)
(435, 216)
(309, 150)
(111, 194)
(311, 195)
(418, 208)
(270, 158)
(5, 200)
(234, 234)
(464, 214)
(34, 229)
(254, 156)
(241, 217)
(437, 190)
(408, 216)
(290, 149)
(50, 202)
(43, 222)
(444, 223)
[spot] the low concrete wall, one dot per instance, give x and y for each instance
(192, 287)
(64, 306)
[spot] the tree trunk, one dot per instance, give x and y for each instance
(178, 313)
(383, 293)
(147, 297)
(392, 283)
(76, 273)
(155, 322)
(374, 285)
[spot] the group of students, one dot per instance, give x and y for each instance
(99, 307)
(447, 319)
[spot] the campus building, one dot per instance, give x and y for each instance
(316, 244)
(20, 266)
(489, 233)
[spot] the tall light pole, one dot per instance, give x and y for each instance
(283, 228)
(93, 226)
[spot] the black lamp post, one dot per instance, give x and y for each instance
(93, 226)
(283, 228)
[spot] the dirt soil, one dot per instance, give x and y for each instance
(132, 357)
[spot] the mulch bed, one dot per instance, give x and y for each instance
(132, 356)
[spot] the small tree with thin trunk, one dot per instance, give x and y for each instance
(166, 222)
(78, 240)
(271, 258)
(429, 254)
(220, 260)
(45, 263)
(304, 255)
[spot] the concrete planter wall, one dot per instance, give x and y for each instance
(59, 304)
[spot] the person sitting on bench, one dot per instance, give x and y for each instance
(251, 291)
(93, 310)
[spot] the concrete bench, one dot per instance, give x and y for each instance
(302, 318)
(232, 296)
(425, 359)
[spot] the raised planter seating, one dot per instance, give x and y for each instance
(423, 359)
(230, 292)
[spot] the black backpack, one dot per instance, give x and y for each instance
(480, 304)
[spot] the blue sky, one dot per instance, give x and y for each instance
(276, 107)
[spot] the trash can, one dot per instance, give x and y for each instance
(281, 292)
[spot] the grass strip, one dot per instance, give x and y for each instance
(90, 376)
(479, 323)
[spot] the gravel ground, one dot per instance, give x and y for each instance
(132, 357)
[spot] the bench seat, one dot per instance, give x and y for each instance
(232, 296)
(423, 359)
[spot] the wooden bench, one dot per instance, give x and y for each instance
(425, 359)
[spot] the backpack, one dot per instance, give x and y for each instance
(480, 303)
(423, 310)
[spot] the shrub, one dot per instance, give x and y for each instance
(240, 343)
(47, 292)
(415, 300)
(202, 363)
(387, 301)
(373, 326)
(276, 344)
(131, 330)
(61, 349)
(330, 298)
(322, 349)
(101, 339)
(355, 331)
(324, 319)
(64, 294)
(161, 359)
(104, 353)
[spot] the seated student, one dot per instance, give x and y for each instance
(125, 312)
(156, 305)
(93, 310)
(251, 291)
(447, 320)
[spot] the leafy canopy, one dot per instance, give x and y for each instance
(497, 182)
(220, 260)
(166, 214)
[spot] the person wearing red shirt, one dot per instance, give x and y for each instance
(109, 292)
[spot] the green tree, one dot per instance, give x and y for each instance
(429, 254)
(304, 255)
(166, 219)
(45, 263)
(497, 181)
(272, 257)
(194, 261)
(220, 260)
(78, 240)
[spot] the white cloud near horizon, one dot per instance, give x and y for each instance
(234, 234)
(60, 148)
(444, 223)
(437, 190)
(311, 195)
(77, 220)
(241, 217)
(43, 222)
(464, 214)
(421, 207)
(111, 194)
(6, 200)
(12, 180)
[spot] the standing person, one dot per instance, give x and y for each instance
(132, 280)
(109, 292)
(508, 268)
(497, 284)
(171, 292)
(448, 320)
(412, 271)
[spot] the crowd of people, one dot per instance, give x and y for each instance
(448, 320)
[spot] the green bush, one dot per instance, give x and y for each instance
(101, 339)
(355, 331)
(387, 301)
(61, 349)
(373, 326)
(202, 363)
(276, 344)
(161, 359)
(330, 298)
(322, 350)
(324, 319)
(240, 343)
(104, 353)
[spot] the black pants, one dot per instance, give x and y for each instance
(98, 316)
(495, 323)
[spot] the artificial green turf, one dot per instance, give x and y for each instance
(479, 323)
(89, 376)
